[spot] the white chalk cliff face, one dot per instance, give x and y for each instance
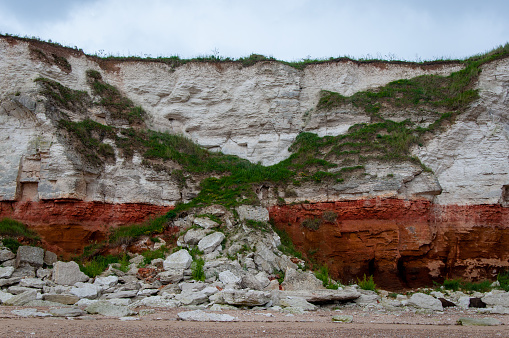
(254, 112)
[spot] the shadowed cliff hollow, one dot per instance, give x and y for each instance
(397, 170)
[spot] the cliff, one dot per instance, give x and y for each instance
(411, 179)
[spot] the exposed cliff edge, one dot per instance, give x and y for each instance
(413, 159)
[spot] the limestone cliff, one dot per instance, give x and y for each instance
(419, 214)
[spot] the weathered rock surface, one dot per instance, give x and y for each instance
(496, 298)
(107, 309)
(106, 282)
(35, 283)
(4, 296)
(205, 223)
(403, 233)
(298, 280)
(422, 224)
(210, 242)
(61, 298)
(67, 312)
(297, 302)
(6, 272)
(68, 273)
(423, 301)
(342, 319)
(178, 260)
(193, 236)
(22, 298)
(30, 255)
(229, 278)
(30, 313)
(6, 255)
(254, 213)
(86, 290)
(245, 297)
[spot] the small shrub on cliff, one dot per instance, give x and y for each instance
(312, 223)
(330, 216)
(367, 283)
(11, 243)
(129, 233)
(503, 279)
(262, 226)
(150, 255)
(452, 284)
(197, 269)
(63, 96)
(98, 264)
(323, 275)
(12, 228)
(459, 284)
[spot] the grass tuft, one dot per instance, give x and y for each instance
(367, 283)
(14, 234)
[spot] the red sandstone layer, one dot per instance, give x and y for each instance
(402, 243)
(67, 226)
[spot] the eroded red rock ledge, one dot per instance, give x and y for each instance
(66, 226)
(404, 244)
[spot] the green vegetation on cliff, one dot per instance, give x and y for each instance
(229, 180)
(14, 234)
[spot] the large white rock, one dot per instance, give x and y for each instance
(205, 223)
(202, 316)
(6, 254)
(32, 283)
(30, 255)
(68, 273)
(210, 242)
(245, 297)
(193, 236)
(323, 296)
(424, 301)
(252, 212)
(6, 272)
(299, 280)
(86, 290)
(297, 302)
(495, 298)
(155, 301)
(106, 282)
(4, 296)
(22, 298)
(229, 278)
(192, 298)
(105, 308)
(178, 260)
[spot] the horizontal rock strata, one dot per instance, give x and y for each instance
(402, 243)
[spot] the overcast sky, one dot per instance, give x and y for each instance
(285, 29)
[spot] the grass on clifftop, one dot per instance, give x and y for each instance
(176, 61)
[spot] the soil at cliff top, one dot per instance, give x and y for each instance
(257, 323)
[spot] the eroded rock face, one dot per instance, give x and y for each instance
(398, 222)
(67, 226)
(402, 243)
